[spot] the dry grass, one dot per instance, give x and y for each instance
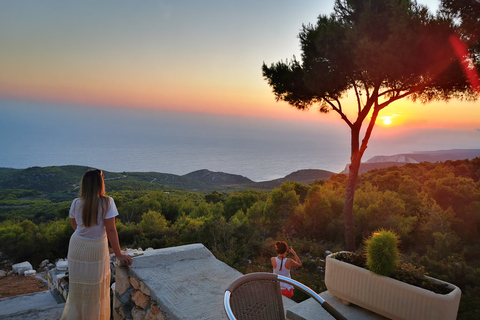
(15, 285)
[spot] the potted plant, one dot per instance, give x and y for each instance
(369, 282)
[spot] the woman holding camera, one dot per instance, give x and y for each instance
(282, 265)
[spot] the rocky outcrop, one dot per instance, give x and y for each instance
(404, 158)
(380, 162)
(429, 156)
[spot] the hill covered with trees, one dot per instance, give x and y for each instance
(433, 207)
(65, 178)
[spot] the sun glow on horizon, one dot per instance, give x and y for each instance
(388, 120)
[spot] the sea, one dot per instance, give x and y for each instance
(136, 140)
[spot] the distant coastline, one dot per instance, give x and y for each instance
(61, 178)
(379, 162)
(171, 142)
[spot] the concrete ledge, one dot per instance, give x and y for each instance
(40, 305)
(312, 310)
(185, 282)
(52, 313)
(168, 256)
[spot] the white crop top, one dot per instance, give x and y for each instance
(95, 232)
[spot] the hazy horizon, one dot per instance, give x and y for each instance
(169, 142)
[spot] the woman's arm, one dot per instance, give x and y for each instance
(274, 262)
(73, 222)
(113, 238)
(297, 263)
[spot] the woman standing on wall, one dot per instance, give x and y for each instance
(282, 265)
(92, 216)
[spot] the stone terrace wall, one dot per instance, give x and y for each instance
(185, 282)
(132, 298)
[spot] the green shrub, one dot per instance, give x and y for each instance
(382, 252)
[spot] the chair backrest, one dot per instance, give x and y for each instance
(255, 296)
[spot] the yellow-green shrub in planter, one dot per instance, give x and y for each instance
(382, 252)
(384, 295)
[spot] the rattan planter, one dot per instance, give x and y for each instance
(389, 297)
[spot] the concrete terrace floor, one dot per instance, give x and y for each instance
(38, 306)
(179, 274)
(43, 306)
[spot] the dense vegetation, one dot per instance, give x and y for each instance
(433, 207)
(379, 51)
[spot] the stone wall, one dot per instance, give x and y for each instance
(57, 278)
(58, 282)
(185, 282)
(132, 299)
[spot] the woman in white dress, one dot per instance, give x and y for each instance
(92, 216)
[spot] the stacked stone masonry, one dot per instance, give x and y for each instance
(132, 298)
(58, 282)
(185, 282)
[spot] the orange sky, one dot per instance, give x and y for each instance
(184, 57)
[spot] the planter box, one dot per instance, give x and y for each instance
(389, 297)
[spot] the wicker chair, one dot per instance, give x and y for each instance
(257, 296)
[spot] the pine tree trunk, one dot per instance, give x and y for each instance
(348, 206)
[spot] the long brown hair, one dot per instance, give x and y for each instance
(92, 192)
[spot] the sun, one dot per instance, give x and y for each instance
(385, 120)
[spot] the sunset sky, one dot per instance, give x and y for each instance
(189, 56)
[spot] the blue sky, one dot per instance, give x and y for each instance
(193, 56)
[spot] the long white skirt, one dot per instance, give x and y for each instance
(89, 280)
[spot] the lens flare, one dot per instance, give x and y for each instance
(467, 63)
